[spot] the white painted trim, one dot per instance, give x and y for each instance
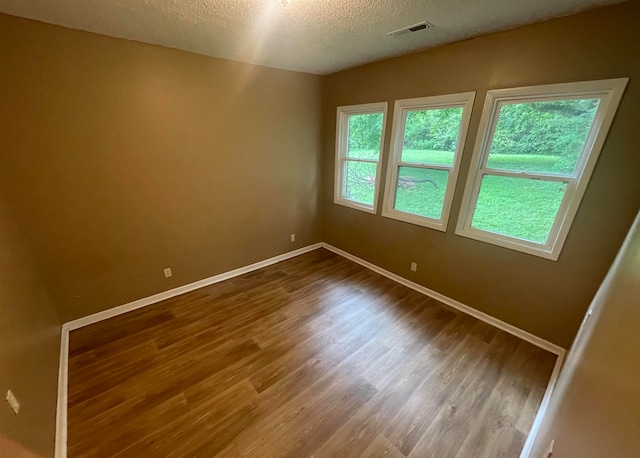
(402, 107)
(61, 414)
(342, 116)
(542, 410)
(608, 91)
(119, 310)
(524, 335)
(61, 411)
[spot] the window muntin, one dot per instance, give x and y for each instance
(428, 139)
(534, 155)
(359, 141)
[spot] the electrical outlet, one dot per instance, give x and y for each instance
(414, 267)
(13, 402)
(167, 272)
(293, 237)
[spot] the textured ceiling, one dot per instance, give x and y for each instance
(315, 36)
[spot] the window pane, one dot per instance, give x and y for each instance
(365, 132)
(431, 136)
(542, 136)
(518, 207)
(421, 191)
(360, 181)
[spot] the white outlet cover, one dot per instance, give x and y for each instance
(167, 272)
(13, 402)
(549, 451)
(293, 237)
(414, 266)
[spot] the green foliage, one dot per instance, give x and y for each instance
(557, 128)
(533, 137)
(433, 129)
(365, 131)
(526, 162)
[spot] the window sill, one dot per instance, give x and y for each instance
(355, 205)
(437, 225)
(551, 253)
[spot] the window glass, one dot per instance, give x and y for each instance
(365, 131)
(428, 139)
(543, 137)
(535, 151)
(421, 191)
(518, 207)
(360, 130)
(360, 181)
(431, 136)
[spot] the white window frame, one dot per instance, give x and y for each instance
(401, 109)
(608, 91)
(342, 138)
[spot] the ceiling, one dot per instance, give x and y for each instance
(315, 36)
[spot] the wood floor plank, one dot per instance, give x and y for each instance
(249, 417)
(381, 448)
(495, 433)
(455, 418)
(302, 428)
(397, 376)
(417, 414)
(176, 434)
(315, 356)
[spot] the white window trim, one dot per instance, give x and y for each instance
(401, 108)
(341, 153)
(609, 91)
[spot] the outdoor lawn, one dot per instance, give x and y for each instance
(517, 207)
(538, 137)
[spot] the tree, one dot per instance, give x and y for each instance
(432, 129)
(365, 131)
(557, 128)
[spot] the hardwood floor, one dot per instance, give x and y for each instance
(312, 357)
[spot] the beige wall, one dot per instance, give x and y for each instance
(544, 297)
(29, 346)
(118, 159)
(122, 158)
(595, 409)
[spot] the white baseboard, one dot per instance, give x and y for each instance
(524, 335)
(61, 414)
(63, 379)
(542, 410)
(140, 303)
(61, 417)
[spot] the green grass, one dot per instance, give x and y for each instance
(428, 156)
(517, 207)
(422, 198)
(526, 162)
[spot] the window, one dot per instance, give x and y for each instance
(533, 158)
(359, 139)
(427, 141)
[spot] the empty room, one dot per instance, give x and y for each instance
(320, 228)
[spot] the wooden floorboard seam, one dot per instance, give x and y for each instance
(279, 332)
